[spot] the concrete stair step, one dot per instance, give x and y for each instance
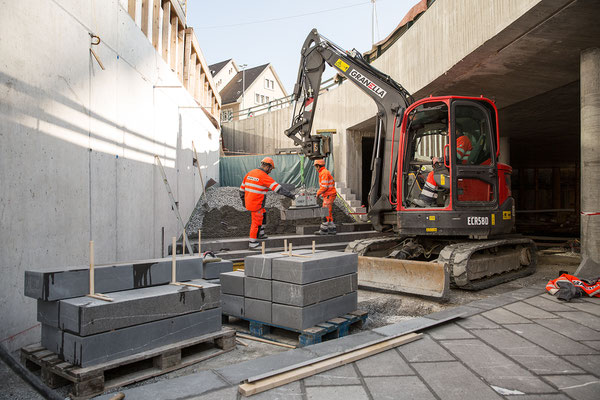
(349, 197)
(239, 255)
(344, 191)
(354, 203)
(232, 244)
(353, 227)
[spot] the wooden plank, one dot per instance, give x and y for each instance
(145, 16)
(32, 348)
(248, 389)
(165, 32)
(197, 83)
(257, 339)
(177, 11)
(200, 88)
(187, 55)
(173, 44)
(131, 8)
(156, 23)
(211, 83)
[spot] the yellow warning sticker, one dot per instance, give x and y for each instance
(442, 180)
(341, 65)
(506, 214)
(493, 219)
(431, 230)
(431, 218)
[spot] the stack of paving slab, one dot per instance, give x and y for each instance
(294, 292)
(145, 312)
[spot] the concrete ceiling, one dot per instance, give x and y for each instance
(531, 70)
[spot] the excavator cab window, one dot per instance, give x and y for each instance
(474, 150)
(427, 182)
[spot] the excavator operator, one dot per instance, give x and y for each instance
(328, 193)
(253, 191)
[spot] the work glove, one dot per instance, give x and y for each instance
(283, 191)
(243, 198)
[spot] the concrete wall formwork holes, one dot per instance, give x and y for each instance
(78, 144)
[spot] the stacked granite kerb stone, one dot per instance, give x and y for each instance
(295, 292)
(145, 312)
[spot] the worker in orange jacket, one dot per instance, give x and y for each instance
(328, 193)
(253, 191)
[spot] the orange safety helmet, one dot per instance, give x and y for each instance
(268, 160)
(320, 162)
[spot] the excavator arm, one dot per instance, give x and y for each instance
(391, 99)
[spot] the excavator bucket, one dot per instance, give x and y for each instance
(404, 276)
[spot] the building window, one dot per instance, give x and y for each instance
(269, 83)
(267, 98)
(262, 98)
(257, 100)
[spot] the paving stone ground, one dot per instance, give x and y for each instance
(522, 345)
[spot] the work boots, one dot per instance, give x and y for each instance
(323, 229)
(254, 245)
(261, 233)
(331, 228)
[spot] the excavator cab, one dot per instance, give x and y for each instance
(450, 175)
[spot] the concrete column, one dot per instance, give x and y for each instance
(504, 150)
(590, 163)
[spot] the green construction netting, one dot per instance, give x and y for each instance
(289, 168)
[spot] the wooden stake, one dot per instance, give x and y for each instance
(92, 288)
(174, 264)
(263, 247)
(183, 249)
(313, 247)
(290, 249)
(199, 242)
(285, 245)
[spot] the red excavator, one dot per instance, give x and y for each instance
(436, 181)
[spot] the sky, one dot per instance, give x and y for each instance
(256, 32)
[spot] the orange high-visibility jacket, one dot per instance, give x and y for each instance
(255, 186)
(326, 183)
(463, 148)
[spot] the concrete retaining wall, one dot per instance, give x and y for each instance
(76, 160)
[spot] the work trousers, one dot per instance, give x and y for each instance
(257, 220)
(328, 200)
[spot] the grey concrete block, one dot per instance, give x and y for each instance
(550, 340)
(233, 305)
(213, 270)
(259, 265)
(590, 363)
(316, 292)
(232, 283)
(449, 331)
(502, 372)
(570, 329)
(64, 283)
(477, 322)
(305, 317)
(408, 387)
(453, 381)
(257, 310)
(531, 356)
(47, 313)
(107, 346)
(52, 338)
(502, 316)
(547, 305)
(314, 267)
(303, 213)
(582, 318)
(177, 388)
(257, 288)
(86, 316)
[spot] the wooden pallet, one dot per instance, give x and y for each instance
(332, 329)
(94, 380)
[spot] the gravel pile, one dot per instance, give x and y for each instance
(226, 217)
